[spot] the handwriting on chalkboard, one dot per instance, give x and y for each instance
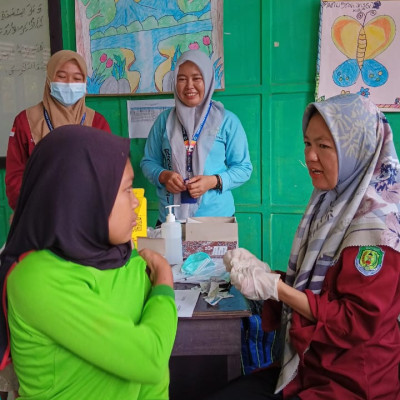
(17, 52)
(22, 58)
(24, 53)
(13, 29)
(28, 10)
(18, 21)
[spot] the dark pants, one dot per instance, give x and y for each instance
(256, 386)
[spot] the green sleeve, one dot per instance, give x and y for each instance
(61, 303)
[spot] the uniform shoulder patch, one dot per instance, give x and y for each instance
(369, 260)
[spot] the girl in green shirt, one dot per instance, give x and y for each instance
(88, 316)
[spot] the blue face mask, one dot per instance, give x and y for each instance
(67, 93)
(198, 263)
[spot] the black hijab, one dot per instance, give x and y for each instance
(68, 191)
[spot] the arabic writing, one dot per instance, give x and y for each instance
(22, 26)
(24, 53)
(21, 58)
(29, 10)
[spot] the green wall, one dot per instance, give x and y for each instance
(270, 57)
(5, 211)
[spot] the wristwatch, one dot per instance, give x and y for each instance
(218, 186)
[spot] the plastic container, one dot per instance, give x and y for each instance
(141, 222)
(171, 231)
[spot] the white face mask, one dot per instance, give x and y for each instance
(67, 93)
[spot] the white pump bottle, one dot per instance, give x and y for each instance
(171, 231)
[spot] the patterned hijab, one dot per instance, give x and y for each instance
(58, 113)
(362, 210)
(191, 118)
(68, 191)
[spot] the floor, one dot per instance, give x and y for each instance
(195, 377)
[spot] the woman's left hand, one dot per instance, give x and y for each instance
(200, 184)
(250, 275)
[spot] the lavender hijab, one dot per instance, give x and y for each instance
(190, 118)
(363, 209)
(69, 188)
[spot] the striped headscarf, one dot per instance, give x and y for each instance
(362, 210)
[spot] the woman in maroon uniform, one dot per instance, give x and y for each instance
(340, 297)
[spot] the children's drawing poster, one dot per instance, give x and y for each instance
(359, 47)
(131, 46)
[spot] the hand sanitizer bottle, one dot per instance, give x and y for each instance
(171, 231)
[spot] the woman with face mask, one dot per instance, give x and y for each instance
(63, 104)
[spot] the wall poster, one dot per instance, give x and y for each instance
(143, 113)
(359, 48)
(131, 46)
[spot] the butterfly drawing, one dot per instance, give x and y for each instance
(361, 43)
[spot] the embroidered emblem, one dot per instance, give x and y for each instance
(12, 131)
(369, 260)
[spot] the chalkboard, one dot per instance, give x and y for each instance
(30, 30)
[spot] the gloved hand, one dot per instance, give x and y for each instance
(250, 275)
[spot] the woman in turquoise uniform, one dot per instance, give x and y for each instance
(196, 152)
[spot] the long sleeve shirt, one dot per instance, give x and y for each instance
(352, 351)
(229, 158)
(77, 331)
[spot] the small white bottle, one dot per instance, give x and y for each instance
(171, 231)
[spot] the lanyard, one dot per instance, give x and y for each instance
(48, 121)
(190, 146)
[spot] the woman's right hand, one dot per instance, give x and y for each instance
(160, 270)
(172, 181)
